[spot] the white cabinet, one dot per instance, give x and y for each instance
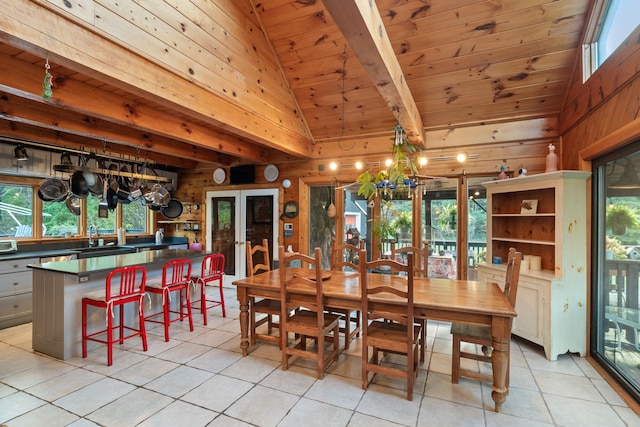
(15, 292)
(552, 302)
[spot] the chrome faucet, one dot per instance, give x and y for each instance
(95, 230)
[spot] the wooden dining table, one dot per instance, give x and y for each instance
(448, 300)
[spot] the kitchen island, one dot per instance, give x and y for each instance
(58, 288)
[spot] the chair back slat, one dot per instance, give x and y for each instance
(212, 266)
(420, 260)
(399, 287)
(125, 281)
(254, 263)
(176, 272)
(512, 276)
(343, 256)
(294, 279)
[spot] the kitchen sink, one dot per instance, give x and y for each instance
(96, 251)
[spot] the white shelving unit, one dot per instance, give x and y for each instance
(551, 302)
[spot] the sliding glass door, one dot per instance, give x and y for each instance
(615, 308)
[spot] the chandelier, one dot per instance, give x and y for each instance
(400, 173)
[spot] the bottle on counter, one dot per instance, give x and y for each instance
(122, 236)
(503, 174)
(159, 236)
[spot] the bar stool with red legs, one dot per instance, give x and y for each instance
(123, 286)
(176, 278)
(212, 270)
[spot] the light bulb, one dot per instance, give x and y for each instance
(333, 166)
(388, 162)
(461, 157)
(422, 160)
(359, 165)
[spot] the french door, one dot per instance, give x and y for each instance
(235, 217)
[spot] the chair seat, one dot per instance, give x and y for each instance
(267, 306)
(304, 319)
(101, 296)
(383, 334)
(476, 331)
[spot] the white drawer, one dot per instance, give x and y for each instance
(16, 265)
(15, 306)
(16, 283)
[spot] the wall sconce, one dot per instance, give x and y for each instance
(286, 183)
(20, 153)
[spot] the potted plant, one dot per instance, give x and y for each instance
(403, 223)
(620, 217)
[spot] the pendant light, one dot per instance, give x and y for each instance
(331, 209)
(20, 153)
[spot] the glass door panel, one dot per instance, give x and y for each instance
(440, 226)
(476, 224)
(235, 217)
(615, 317)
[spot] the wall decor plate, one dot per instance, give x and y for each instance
(219, 175)
(271, 173)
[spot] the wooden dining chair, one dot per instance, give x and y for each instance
(421, 261)
(344, 258)
(420, 257)
(481, 335)
(388, 332)
(303, 312)
(258, 261)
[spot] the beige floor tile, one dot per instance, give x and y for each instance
(17, 404)
(568, 411)
(218, 392)
(96, 395)
(262, 406)
(362, 420)
(145, 371)
(179, 381)
(64, 384)
(467, 391)
(568, 386)
(180, 414)
(131, 408)
(521, 403)
(337, 391)
(38, 374)
(436, 412)
(183, 352)
(311, 413)
(296, 380)
(389, 404)
(55, 417)
(215, 360)
(251, 369)
(224, 421)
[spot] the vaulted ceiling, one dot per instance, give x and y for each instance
(259, 81)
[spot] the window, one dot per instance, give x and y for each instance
(16, 204)
(103, 225)
(134, 217)
(58, 221)
(611, 23)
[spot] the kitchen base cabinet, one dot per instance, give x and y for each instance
(15, 292)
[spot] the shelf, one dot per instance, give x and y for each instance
(519, 215)
(532, 242)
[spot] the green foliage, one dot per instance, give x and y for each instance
(403, 221)
(447, 218)
(620, 217)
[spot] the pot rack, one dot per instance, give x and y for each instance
(109, 172)
(94, 155)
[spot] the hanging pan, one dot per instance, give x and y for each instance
(173, 209)
(73, 204)
(79, 185)
(53, 190)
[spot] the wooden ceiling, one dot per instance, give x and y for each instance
(435, 64)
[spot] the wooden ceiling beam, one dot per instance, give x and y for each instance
(19, 106)
(361, 24)
(110, 107)
(29, 131)
(35, 29)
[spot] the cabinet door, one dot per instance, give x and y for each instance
(530, 308)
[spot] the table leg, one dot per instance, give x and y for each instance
(500, 336)
(243, 300)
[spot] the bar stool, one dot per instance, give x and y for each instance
(176, 277)
(212, 270)
(123, 286)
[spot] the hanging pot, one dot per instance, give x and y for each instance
(154, 207)
(173, 209)
(73, 204)
(97, 188)
(161, 195)
(53, 189)
(79, 185)
(112, 199)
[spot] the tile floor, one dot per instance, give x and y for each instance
(201, 379)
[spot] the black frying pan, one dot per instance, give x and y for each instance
(173, 209)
